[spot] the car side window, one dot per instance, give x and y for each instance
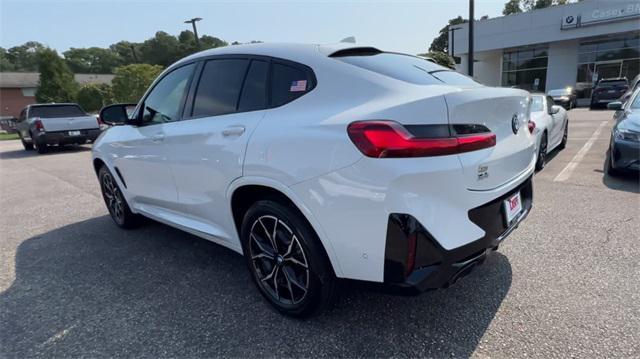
(550, 104)
(254, 91)
(164, 102)
(288, 83)
(23, 115)
(219, 87)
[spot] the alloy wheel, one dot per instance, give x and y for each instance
(113, 198)
(278, 260)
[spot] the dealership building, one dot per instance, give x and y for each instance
(570, 45)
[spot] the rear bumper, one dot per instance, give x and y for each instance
(625, 155)
(428, 265)
(64, 138)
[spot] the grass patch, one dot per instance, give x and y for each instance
(9, 136)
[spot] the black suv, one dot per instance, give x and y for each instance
(608, 90)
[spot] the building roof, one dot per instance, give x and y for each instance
(31, 79)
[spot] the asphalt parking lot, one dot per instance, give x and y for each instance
(566, 283)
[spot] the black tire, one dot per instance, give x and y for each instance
(290, 269)
(27, 146)
(613, 172)
(565, 136)
(40, 147)
(115, 201)
(542, 153)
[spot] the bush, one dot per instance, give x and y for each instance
(93, 97)
(131, 81)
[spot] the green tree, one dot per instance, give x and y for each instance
(93, 60)
(441, 58)
(92, 97)
(162, 49)
(512, 7)
(516, 6)
(441, 42)
(25, 56)
(56, 80)
(128, 52)
(131, 81)
(210, 42)
(5, 64)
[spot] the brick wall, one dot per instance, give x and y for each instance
(12, 101)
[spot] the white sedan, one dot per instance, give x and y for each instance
(551, 127)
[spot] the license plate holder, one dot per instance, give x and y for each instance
(74, 133)
(512, 207)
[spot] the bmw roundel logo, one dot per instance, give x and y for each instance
(569, 19)
(515, 123)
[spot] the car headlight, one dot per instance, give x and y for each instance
(626, 135)
(564, 98)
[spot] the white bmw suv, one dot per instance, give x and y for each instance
(324, 162)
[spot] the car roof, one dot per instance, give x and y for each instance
(289, 51)
(614, 79)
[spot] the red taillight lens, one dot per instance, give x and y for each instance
(389, 139)
(38, 124)
(531, 125)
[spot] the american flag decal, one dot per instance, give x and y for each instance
(298, 86)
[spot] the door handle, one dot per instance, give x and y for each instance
(233, 131)
(157, 137)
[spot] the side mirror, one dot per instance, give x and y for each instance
(555, 109)
(615, 105)
(117, 114)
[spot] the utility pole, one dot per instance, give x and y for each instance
(195, 30)
(470, 57)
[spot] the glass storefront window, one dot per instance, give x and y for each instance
(612, 56)
(525, 68)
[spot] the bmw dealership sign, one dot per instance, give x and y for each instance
(606, 12)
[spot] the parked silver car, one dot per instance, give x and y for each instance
(44, 125)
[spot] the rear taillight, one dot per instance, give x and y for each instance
(531, 125)
(389, 139)
(38, 125)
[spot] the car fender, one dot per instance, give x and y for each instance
(297, 201)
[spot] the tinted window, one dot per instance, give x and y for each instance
(537, 103)
(636, 102)
(550, 103)
(219, 87)
(407, 68)
(560, 92)
(254, 96)
(288, 83)
(56, 111)
(165, 100)
(618, 83)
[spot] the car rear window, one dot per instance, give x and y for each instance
(407, 68)
(56, 111)
(559, 92)
(618, 83)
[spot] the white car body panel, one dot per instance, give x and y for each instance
(553, 124)
(302, 149)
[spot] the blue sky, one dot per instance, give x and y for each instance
(406, 26)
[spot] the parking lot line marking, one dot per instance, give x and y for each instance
(571, 166)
